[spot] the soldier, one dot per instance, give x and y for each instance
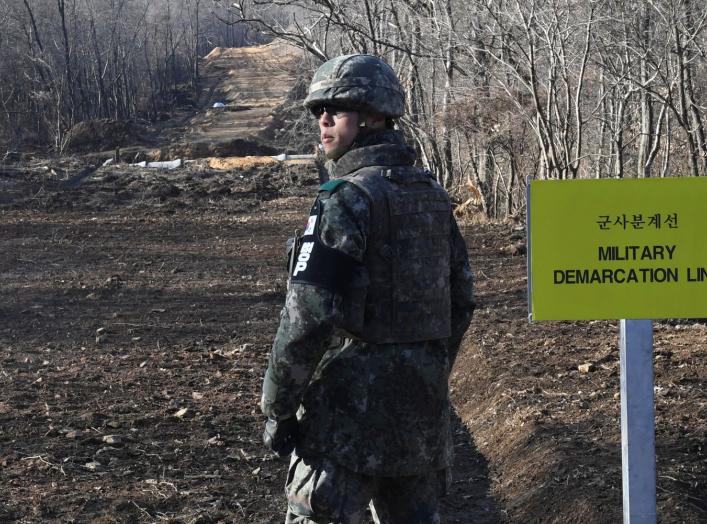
(381, 265)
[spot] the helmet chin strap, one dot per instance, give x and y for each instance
(361, 120)
(363, 129)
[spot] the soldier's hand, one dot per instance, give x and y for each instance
(280, 435)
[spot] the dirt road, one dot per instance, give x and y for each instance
(251, 82)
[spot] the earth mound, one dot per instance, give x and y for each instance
(106, 133)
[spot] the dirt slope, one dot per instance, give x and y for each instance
(251, 82)
(137, 311)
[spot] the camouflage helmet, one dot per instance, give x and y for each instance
(358, 82)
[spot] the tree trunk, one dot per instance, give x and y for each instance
(61, 5)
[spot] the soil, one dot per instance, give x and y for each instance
(137, 309)
(104, 134)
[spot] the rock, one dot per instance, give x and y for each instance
(515, 249)
(114, 424)
(75, 434)
(113, 281)
(196, 395)
(113, 440)
(182, 413)
(587, 367)
(93, 466)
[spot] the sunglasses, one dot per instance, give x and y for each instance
(335, 112)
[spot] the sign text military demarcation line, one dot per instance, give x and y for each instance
(611, 249)
(640, 275)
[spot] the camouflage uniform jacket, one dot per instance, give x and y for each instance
(377, 409)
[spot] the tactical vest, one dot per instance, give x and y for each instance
(407, 258)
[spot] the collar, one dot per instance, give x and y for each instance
(386, 148)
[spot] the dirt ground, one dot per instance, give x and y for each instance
(136, 314)
(137, 309)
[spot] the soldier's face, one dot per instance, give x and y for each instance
(338, 129)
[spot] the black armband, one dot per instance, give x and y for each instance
(319, 264)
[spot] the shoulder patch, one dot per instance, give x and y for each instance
(331, 185)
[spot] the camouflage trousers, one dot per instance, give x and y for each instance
(322, 492)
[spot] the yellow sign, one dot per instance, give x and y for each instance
(612, 249)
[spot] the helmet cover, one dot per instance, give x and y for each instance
(358, 82)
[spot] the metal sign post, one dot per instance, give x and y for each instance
(637, 422)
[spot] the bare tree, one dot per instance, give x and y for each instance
(497, 90)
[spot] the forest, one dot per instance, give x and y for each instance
(498, 90)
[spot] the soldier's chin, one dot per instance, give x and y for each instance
(335, 152)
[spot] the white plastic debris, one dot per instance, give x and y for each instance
(284, 156)
(218, 104)
(108, 162)
(168, 164)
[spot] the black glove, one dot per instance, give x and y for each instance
(280, 435)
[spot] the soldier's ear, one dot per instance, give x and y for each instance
(373, 121)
